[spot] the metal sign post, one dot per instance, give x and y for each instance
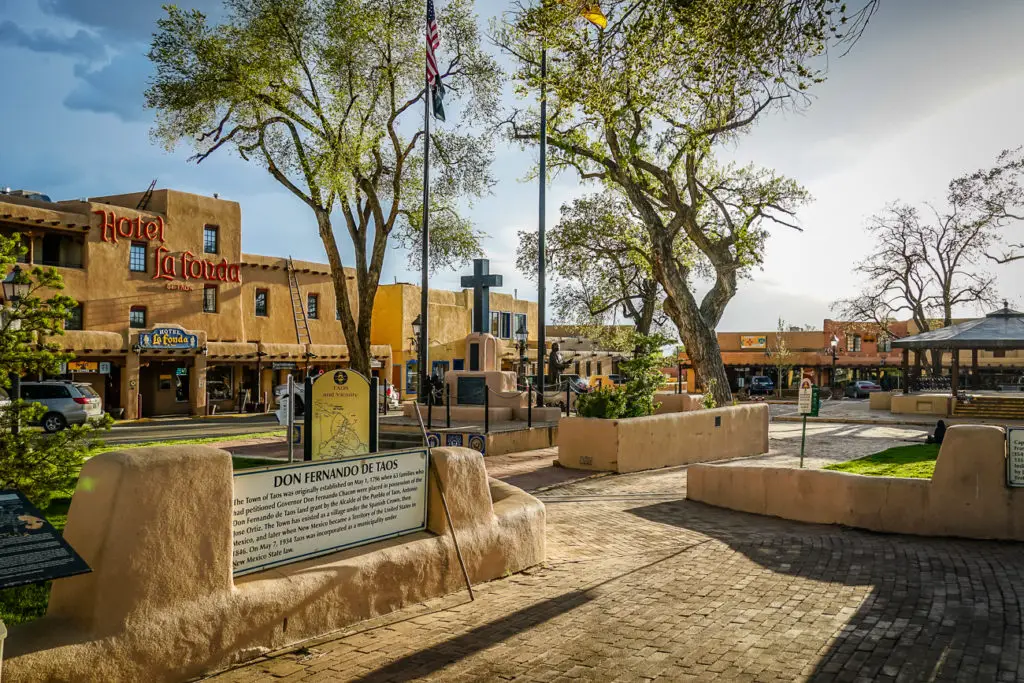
(805, 406)
(291, 418)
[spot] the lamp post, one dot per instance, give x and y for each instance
(833, 347)
(259, 375)
(420, 376)
(16, 287)
(521, 335)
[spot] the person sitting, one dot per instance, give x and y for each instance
(939, 434)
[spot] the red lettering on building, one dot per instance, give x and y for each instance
(163, 262)
(114, 226)
(196, 269)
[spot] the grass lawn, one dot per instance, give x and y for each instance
(25, 603)
(916, 461)
(186, 442)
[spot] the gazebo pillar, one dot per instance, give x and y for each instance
(974, 369)
(954, 369)
(906, 371)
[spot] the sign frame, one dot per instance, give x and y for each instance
(191, 341)
(73, 566)
(361, 461)
(311, 405)
(1014, 437)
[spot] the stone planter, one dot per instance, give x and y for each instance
(643, 443)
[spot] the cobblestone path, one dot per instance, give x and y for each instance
(643, 585)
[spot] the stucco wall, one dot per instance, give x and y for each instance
(643, 443)
(920, 404)
(880, 400)
(677, 403)
(967, 495)
(155, 526)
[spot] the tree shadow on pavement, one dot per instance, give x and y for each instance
(938, 609)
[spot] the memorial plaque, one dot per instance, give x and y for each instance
(31, 550)
(288, 513)
(1014, 456)
(471, 391)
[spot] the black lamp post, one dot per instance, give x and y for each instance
(833, 347)
(521, 335)
(16, 287)
(417, 327)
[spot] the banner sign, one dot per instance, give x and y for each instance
(168, 338)
(753, 341)
(1015, 456)
(31, 550)
(288, 513)
(341, 415)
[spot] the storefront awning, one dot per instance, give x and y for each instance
(90, 341)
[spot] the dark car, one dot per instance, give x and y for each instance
(761, 384)
(861, 389)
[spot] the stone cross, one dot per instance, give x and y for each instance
(481, 281)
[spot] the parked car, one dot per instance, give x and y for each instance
(861, 389)
(761, 384)
(66, 402)
(5, 399)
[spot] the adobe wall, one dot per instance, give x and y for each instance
(880, 400)
(921, 404)
(643, 443)
(966, 496)
(677, 403)
(161, 604)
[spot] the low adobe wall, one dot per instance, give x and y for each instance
(921, 404)
(967, 496)
(161, 604)
(880, 400)
(678, 403)
(476, 413)
(644, 443)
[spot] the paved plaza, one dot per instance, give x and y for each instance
(641, 584)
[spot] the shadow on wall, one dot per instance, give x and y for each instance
(934, 609)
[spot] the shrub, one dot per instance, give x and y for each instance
(606, 402)
(708, 400)
(636, 397)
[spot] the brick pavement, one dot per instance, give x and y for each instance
(641, 584)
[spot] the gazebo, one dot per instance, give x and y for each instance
(1001, 330)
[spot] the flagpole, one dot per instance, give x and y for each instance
(541, 245)
(424, 353)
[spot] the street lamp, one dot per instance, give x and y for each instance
(833, 349)
(421, 376)
(16, 288)
(521, 335)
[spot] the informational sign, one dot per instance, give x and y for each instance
(470, 391)
(31, 550)
(83, 366)
(104, 367)
(288, 513)
(753, 341)
(283, 365)
(168, 338)
(341, 416)
(804, 397)
(1015, 456)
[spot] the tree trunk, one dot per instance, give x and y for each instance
(936, 362)
(358, 344)
(702, 348)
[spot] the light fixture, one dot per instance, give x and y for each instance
(15, 286)
(205, 350)
(835, 341)
(137, 348)
(417, 325)
(521, 333)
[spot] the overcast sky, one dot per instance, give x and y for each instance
(935, 88)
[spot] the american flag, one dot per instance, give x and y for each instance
(433, 42)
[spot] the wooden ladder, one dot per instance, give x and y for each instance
(298, 310)
(147, 195)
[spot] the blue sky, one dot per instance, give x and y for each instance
(934, 89)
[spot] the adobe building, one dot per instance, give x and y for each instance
(174, 319)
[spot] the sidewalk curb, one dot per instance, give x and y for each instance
(856, 421)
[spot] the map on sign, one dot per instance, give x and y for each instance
(1015, 456)
(339, 416)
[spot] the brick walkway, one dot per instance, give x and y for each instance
(641, 584)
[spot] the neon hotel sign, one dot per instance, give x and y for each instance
(166, 265)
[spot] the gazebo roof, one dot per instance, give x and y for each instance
(1002, 329)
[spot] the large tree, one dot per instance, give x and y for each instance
(601, 256)
(926, 264)
(327, 96)
(642, 106)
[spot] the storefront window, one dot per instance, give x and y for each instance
(219, 382)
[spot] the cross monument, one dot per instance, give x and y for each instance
(481, 281)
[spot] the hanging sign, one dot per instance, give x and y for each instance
(83, 366)
(104, 367)
(1015, 456)
(168, 338)
(341, 415)
(288, 513)
(753, 341)
(31, 550)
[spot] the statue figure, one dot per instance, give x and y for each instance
(555, 365)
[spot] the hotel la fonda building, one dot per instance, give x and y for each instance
(174, 319)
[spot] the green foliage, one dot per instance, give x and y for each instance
(605, 402)
(327, 95)
(708, 400)
(915, 461)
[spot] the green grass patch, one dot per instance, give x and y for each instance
(187, 442)
(915, 461)
(25, 603)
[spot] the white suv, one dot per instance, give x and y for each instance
(66, 402)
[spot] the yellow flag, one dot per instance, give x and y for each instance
(593, 14)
